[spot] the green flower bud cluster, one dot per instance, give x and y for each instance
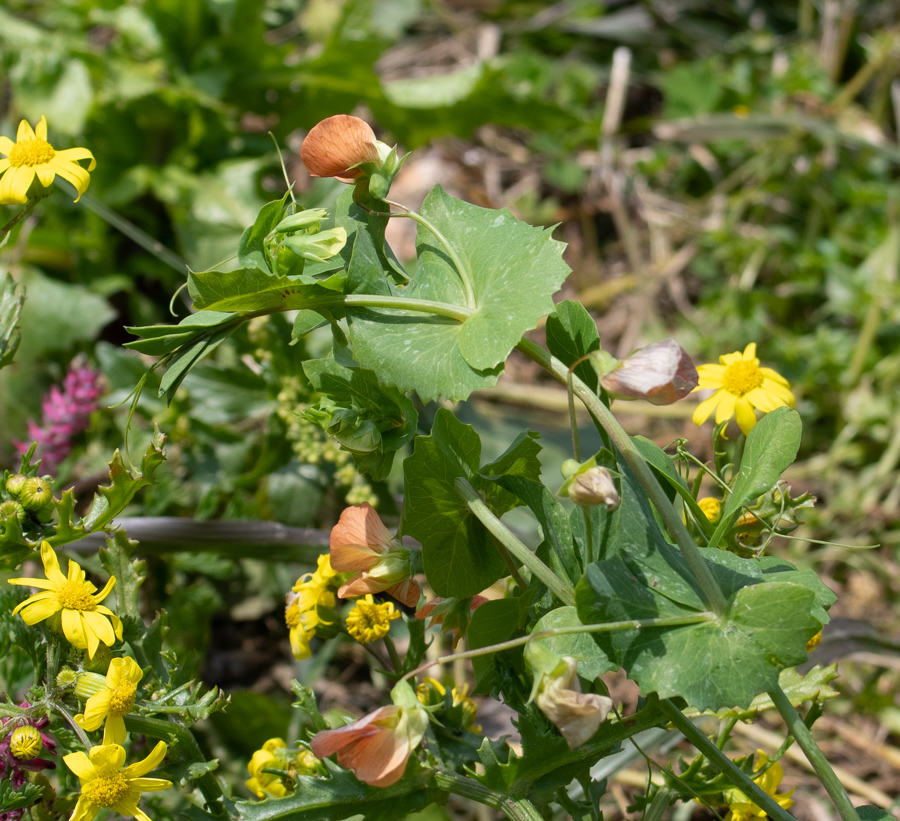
(299, 238)
(23, 496)
(312, 446)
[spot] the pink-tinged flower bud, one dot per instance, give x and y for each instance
(661, 373)
(336, 146)
(361, 543)
(594, 487)
(378, 746)
(576, 715)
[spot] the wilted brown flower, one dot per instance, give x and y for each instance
(661, 373)
(338, 143)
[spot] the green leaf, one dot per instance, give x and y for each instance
(514, 269)
(672, 481)
(189, 355)
(250, 289)
(553, 519)
(306, 321)
(814, 686)
(495, 621)
(111, 500)
(357, 390)
(592, 662)
(459, 554)
(724, 662)
(252, 247)
(341, 795)
(11, 300)
(306, 701)
(159, 340)
(771, 448)
(572, 334)
(130, 575)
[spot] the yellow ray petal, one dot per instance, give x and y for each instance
(764, 400)
(45, 174)
(4, 164)
(51, 564)
(72, 154)
(780, 391)
(73, 629)
(114, 730)
(24, 132)
(39, 610)
(6, 145)
(80, 764)
(726, 407)
(72, 173)
(14, 185)
(706, 407)
(151, 762)
(95, 711)
(745, 416)
(40, 130)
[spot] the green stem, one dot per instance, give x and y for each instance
(798, 729)
(186, 745)
(712, 593)
(392, 652)
(400, 303)
(559, 588)
(463, 271)
(82, 736)
(131, 231)
(607, 627)
(516, 809)
(723, 764)
(17, 219)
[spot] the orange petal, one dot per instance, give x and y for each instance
(360, 525)
(351, 558)
(337, 143)
(406, 591)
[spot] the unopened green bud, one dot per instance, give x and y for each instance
(67, 678)
(35, 493)
(303, 219)
(15, 483)
(11, 510)
(89, 684)
(307, 764)
(318, 247)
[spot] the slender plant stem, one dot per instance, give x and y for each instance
(400, 303)
(82, 736)
(17, 218)
(807, 743)
(139, 236)
(607, 627)
(392, 652)
(557, 586)
(712, 593)
(724, 764)
(516, 809)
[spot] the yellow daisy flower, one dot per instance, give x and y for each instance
(743, 809)
(741, 385)
(106, 785)
(272, 756)
(32, 156)
(368, 621)
(301, 611)
(112, 701)
(74, 602)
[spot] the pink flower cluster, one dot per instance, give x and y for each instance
(65, 414)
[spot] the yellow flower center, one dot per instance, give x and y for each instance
(742, 377)
(75, 596)
(368, 621)
(107, 790)
(292, 615)
(31, 152)
(122, 699)
(25, 742)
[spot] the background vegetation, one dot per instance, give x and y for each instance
(723, 172)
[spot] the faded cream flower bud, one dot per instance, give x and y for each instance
(661, 373)
(576, 715)
(595, 486)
